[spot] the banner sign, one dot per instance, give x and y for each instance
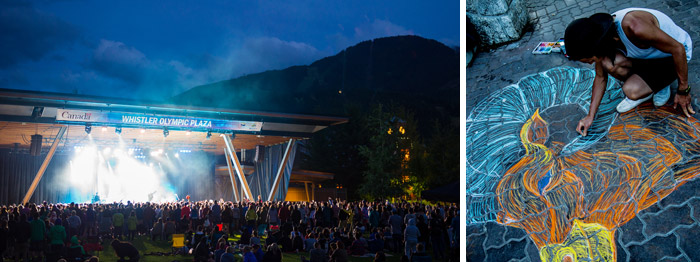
(155, 120)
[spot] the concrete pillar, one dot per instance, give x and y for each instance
(497, 21)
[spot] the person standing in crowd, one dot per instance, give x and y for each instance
(437, 227)
(73, 224)
(131, 223)
(37, 241)
(148, 216)
(411, 234)
(227, 219)
(215, 216)
(57, 237)
(4, 237)
(22, 234)
(283, 213)
(251, 216)
(396, 224)
(118, 224)
(314, 240)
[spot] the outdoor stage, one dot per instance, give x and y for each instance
(65, 148)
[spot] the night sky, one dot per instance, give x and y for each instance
(155, 49)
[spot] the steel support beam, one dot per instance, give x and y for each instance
(313, 191)
(231, 175)
(237, 167)
(44, 165)
(283, 164)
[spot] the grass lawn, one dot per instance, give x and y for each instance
(145, 245)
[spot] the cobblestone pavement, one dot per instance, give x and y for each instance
(627, 192)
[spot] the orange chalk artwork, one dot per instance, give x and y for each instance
(529, 169)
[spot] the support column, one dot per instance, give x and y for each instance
(230, 173)
(237, 167)
(306, 189)
(44, 165)
(276, 184)
(313, 191)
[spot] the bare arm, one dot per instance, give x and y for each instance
(642, 28)
(599, 84)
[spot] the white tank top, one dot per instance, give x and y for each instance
(665, 23)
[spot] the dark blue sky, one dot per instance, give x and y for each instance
(155, 49)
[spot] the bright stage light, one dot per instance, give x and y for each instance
(177, 155)
(143, 130)
(104, 128)
(188, 132)
(114, 177)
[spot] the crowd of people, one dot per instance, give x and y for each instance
(329, 231)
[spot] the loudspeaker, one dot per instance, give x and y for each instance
(35, 146)
(259, 150)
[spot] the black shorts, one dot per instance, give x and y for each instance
(657, 73)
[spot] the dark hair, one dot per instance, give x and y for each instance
(379, 257)
(591, 36)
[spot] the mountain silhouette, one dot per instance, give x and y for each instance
(416, 73)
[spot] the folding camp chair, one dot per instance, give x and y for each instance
(178, 242)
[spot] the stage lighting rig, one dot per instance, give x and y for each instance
(166, 132)
(118, 130)
(88, 128)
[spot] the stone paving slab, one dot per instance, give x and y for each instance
(627, 192)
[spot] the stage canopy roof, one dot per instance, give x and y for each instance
(143, 124)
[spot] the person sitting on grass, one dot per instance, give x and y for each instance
(124, 250)
(376, 244)
(75, 252)
(271, 238)
(273, 254)
(297, 241)
(219, 251)
(201, 252)
(338, 253)
(228, 256)
(258, 252)
(286, 243)
(316, 254)
(254, 240)
(310, 241)
(357, 248)
(248, 255)
(420, 255)
(380, 257)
